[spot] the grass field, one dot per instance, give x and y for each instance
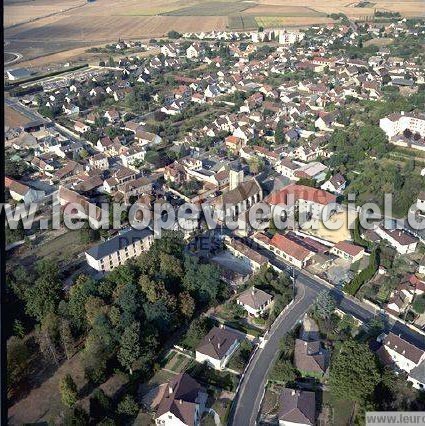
(286, 21)
(213, 8)
(242, 23)
(269, 10)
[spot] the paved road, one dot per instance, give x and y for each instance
(249, 397)
(251, 391)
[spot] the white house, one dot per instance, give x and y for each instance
(312, 202)
(182, 403)
(348, 251)
(217, 347)
(254, 301)
(406, 357)
(336, 184)
(395, 123)
(403, 242)
(20, 192)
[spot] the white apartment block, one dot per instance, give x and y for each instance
(395, 124)
(116, 251)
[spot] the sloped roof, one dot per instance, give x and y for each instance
(254, 297)
(181, 398)
(217, 342)
(297, 406)
(300, 192)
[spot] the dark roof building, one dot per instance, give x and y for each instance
(297, 406)
(184, 399)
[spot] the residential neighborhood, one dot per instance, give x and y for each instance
(280, 299)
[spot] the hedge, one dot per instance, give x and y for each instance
(353, 287)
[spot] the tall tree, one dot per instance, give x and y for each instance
(186, 304)
(129, 350)
(44, 295)
(354, 372)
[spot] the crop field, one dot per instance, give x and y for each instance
(25, 11)
(242, 23)
(42, 27)
(290, 21)
(213, 8)
(289, 11)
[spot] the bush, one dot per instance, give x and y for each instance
(128, 406)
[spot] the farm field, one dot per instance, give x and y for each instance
(23, 11)
(242, 23)
(45, 28)
(294, 21)
(273, 10)
(13, 118)
(213, 8)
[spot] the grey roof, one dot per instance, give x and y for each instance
(217, 342)
(19, 73)
(118, 242)
(418, 373)
(297, 406)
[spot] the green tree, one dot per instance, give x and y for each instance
(128, 406)
(17, 363)
(283, 371)
(68, 390)
(354, 372)
(324, 305)
(186, 304)
(129, 350)
(44, 295)
(75, 417)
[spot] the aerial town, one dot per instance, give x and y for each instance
(173, 324)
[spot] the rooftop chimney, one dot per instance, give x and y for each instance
(170, 390)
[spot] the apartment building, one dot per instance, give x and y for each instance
(116, 251)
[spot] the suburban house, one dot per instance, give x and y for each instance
(310, 358)
(78, 206)
(182, 403)
(99, 161)
(314, 203)
(403, 242)
(20, 192)
(250, 256)
(297, 407)
(217, 347)
(116, 251)
(406, 357)
(348, 251)
(254, 301)
(336, 184)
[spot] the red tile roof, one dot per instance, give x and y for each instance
(300, 192)
(291, 248)
(349, 248)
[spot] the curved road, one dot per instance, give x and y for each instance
(248, 399)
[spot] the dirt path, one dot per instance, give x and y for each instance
(44, 403)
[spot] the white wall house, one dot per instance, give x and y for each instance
(403, 242)
(217, 347)
(255, 301)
